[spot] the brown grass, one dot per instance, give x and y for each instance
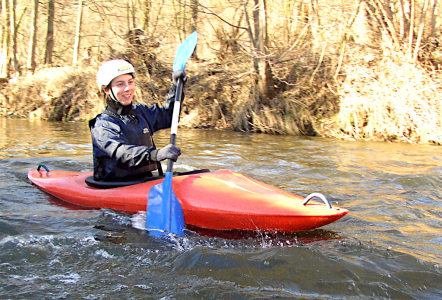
(385, 100)
(391, 101)
(56, 94)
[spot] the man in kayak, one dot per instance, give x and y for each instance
(123, 148)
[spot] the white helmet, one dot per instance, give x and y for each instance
(112, 69)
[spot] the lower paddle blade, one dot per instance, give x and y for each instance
(164, 212)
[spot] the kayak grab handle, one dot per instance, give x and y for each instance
(42, 166)
(319, 195)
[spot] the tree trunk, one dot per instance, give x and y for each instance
(405, 24)
(33, 39)
(133, 14)
(288, 17)
(4, 40)
(49, 49)
(146, 14)
(313, 18)
(98, 41)
(194, 22)
(180, 19)
(411, 30)
(434, 15)
(421, 30)
(265, 80)
(78, 32)
(14, 38)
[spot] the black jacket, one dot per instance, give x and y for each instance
(122, 146)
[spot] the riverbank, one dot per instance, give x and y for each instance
(380, 100)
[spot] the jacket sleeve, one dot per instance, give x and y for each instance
(161, 116)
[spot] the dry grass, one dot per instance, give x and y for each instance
(56, 94)
(390, 101)
(71, 93)
(385, 100)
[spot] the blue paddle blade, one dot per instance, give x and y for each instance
(185, 51)
(164, 212)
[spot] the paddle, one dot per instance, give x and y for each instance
(164, 212)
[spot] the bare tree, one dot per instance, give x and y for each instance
(405, 29)
(194, 23)
(434, 14)
(146, 6)
(31, 65)
(5, 40)
(259, 37)
(131, 14)
(49, 49)
(14, 27)
(78, 32)
(258, 43)
(421, 30)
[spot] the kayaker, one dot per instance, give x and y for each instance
(123, 148)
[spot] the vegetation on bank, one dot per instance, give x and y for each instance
(362, 70)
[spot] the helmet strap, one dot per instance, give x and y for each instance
(113, 97)
(115, 106)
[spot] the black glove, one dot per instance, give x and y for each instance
(169, 152)
(179, 74)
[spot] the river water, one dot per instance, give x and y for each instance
(388, 247)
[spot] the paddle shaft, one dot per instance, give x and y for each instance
(175, 118)
(164, 211)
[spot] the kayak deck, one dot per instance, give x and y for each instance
(220, 200)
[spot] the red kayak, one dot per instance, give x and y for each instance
(220, 200)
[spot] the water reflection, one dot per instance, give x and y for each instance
(24, 138)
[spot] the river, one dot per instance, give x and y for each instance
(389, 246)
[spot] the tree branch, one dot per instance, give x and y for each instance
(210, 12)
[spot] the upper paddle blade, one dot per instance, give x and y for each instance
(164, 212)
(185, 51)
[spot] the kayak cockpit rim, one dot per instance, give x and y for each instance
(116, 184)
